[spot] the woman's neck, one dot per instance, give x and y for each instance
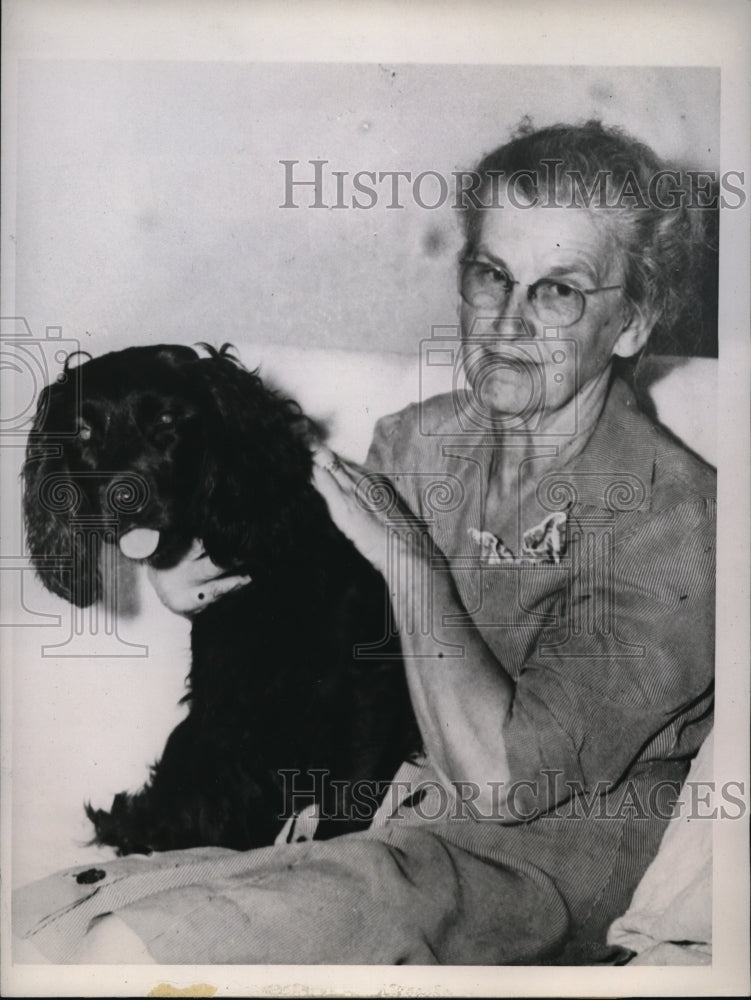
(569, 427)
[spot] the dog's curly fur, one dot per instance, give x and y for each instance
(197, 447)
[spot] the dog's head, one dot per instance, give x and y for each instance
(164, 438)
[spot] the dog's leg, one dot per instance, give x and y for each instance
(193, 799)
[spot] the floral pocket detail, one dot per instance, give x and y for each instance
(545, 543)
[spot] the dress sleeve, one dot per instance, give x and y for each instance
(381, 454)
(392, 453)
(587, 706)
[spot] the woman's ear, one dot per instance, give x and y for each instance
(634, 333)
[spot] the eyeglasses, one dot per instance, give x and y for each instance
(556, 303)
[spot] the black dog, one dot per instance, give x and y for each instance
(197, 447)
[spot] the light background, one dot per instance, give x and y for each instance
(149, 193)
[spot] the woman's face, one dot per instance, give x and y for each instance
(514, 363)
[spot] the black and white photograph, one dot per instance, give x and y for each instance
(375, 498)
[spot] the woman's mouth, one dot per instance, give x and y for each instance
(507, 376)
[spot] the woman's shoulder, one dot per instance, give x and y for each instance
(673, 470)
(679, 473)
(435, 415)
(417, 430)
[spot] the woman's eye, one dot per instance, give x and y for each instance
(562, 291)
(491, 275)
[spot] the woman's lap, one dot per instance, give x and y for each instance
(401, 895)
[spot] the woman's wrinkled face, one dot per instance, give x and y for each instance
(514, 362)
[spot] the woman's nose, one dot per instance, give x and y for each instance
(513, 319)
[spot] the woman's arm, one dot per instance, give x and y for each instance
(461, 701)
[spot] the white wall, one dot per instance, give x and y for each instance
(149, 192)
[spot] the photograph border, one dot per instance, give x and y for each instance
(670, 33)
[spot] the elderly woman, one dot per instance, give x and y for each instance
(555, 610)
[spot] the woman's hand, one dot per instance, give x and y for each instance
(193, 583)
(366, 508)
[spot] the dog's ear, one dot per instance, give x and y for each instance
(63, 549)
(256, 481)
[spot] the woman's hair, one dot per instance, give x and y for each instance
(657, 230)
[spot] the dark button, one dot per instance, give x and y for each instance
(90, 876)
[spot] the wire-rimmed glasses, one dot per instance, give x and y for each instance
(556, 303)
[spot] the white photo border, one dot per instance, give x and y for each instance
(544, 33)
